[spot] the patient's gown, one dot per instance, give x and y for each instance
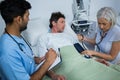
(55, 41)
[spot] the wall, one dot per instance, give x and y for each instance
(2, 25)
(95, 5)
(44, 8)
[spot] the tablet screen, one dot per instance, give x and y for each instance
(78, 47)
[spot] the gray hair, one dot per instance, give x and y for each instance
(107, 13)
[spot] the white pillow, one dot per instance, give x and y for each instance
(35, 28)
(69, 30)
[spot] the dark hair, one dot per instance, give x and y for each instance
(54, 17)
(12, 8)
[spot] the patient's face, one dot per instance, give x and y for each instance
(60, 25)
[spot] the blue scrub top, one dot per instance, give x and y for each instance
(14, 63)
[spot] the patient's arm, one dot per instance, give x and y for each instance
(55, 76)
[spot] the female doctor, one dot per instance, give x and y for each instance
(107, 38)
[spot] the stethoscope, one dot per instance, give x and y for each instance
(30, 56)
(102, 37)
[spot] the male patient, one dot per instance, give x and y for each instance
(56, 37)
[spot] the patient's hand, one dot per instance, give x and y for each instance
(55, 76)
(39, 59)
(58, 77)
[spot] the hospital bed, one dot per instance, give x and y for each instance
(73, 66)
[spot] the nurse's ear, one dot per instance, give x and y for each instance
(110, 23)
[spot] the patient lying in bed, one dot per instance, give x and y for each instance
(74, 66)
(56, 37)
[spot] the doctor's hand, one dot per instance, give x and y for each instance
(50, 56)
(39, 59)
